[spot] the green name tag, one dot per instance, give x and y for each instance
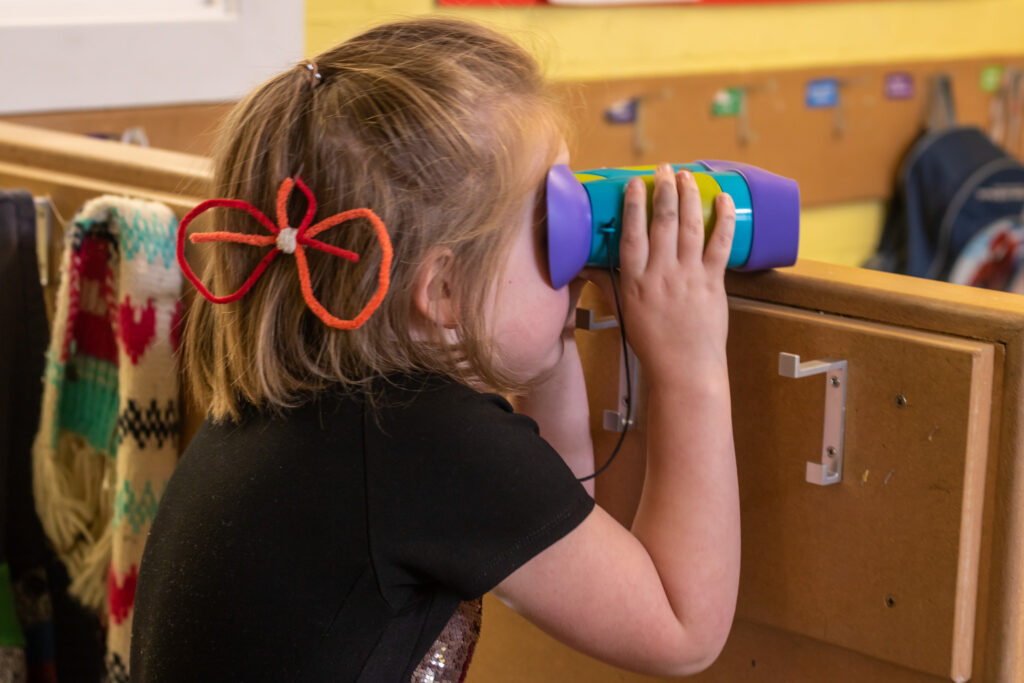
(727, 102)
(991, 77)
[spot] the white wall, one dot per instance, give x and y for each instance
(77, 54)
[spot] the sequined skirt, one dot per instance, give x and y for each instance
(447, 660)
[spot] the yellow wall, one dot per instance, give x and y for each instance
(591, 43)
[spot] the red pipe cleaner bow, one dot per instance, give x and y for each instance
(290, 241)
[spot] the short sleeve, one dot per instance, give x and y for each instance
(461, 491)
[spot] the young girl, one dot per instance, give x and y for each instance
(355, 487)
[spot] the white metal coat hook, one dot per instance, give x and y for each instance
(624, 416)
(830, 468)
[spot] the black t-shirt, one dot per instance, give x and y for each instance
(334, 542)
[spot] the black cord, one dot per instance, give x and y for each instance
(625, 360)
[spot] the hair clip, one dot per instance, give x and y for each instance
(314, 73)
(290, 241)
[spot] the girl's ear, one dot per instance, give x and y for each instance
(432, 293)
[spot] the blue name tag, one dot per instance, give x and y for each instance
(822, 93)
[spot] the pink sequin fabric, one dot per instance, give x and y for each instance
(447, 661)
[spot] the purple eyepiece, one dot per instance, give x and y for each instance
(569, 210)
(775, 208)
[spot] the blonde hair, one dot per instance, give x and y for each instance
(436, 125)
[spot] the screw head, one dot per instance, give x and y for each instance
(835, 381)
(901, 401)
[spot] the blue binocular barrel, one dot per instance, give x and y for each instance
(585, 214)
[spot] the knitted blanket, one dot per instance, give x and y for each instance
(109, 423)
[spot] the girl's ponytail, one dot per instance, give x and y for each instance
(443, 129)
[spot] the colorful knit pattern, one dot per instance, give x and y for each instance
(149, 424)
(108, 437)
(117, 670)
(89, 404)
(145, 227)
(137, 327)
(121, 592)
(137, 509)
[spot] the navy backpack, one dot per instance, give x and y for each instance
(953, 184)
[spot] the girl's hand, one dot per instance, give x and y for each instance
(659, 597)
(673, 291)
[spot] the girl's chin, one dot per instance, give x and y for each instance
(544, 368)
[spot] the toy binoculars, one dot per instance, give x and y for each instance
(585, 214)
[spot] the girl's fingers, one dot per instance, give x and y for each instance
(716, 255)
(665, 219)
(633, 245)
(691, 219)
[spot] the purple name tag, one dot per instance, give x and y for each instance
(623, 111)
(899, 86)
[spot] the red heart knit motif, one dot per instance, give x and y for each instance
(121, 594)
(136, 336)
